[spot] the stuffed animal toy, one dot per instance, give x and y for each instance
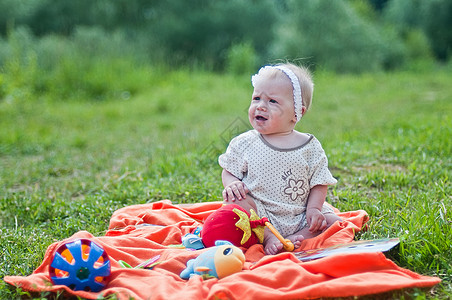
(220, 261)
(192, 241)
(234, 224)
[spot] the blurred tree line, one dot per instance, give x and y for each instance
(234, 35)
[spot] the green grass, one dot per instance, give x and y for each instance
(67, 166)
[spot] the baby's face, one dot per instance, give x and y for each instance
(272, 108)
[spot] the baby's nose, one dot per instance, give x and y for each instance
(262, 106)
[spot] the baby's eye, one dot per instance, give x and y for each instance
(273, 101)
(257, 98)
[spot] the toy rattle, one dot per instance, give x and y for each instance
(287, 244)
(80, 265)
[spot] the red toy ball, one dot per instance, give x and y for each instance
(234, 224)
(80, 265)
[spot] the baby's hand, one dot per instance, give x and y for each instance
(236, 190)
(316, 220)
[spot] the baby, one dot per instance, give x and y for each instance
(279, 172)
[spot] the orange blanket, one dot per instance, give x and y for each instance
(279, 276)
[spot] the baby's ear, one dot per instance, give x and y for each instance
(303, 110)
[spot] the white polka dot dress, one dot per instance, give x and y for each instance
(279, 180)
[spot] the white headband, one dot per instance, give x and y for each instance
(297, 100)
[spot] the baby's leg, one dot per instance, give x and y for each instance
(272, 245)
(297, 238)
(247, 203)
(331, 217)
(305, 233)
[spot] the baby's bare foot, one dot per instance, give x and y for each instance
(296, 239)
(272, 245)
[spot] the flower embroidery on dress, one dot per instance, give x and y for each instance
(295, 189)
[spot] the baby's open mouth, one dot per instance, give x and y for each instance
(261, 118)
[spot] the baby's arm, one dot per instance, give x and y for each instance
(234, 188)
(316, 220)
